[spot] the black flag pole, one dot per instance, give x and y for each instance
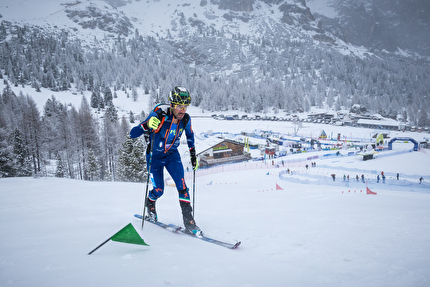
(100, 245)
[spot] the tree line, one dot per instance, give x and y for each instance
(72, 140)
(253, 74)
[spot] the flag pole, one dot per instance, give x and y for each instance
(100, 245)
(127, 234)
(194, 189)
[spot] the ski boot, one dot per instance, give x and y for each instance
(151, 214)
(189, 223)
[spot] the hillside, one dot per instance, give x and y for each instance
(230, 53)
(305, 234)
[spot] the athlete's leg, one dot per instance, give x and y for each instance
(176, 170)
(157, 178)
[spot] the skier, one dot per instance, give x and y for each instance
(165, 125)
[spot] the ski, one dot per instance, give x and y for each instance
(177, 229)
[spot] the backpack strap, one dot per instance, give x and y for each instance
(186, 119)
(161, 111)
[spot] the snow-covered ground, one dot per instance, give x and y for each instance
(313, 232)
(310, 232)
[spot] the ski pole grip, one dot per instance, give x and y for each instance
(161, 124)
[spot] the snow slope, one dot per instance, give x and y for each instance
(303, 235)
(152, 18)
(323, 7)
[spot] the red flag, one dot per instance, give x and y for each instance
(278, 187)
(369, 191)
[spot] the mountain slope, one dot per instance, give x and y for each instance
(231, 53)
(384, 24)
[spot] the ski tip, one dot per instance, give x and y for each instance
(236, 245)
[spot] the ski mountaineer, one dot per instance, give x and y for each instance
(165, 125)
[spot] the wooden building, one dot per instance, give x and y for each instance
(223, 152)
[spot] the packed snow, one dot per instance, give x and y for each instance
(296, 229)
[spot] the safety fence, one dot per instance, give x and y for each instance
(293, 166)
(391, 184)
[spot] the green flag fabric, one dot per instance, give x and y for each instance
(128, 235)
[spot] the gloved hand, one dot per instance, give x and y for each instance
(153, 123)
(194, 160)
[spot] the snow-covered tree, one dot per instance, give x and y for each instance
(92, 166)
(22, 163)
(6, 155)
(59, 171)
(132, 161)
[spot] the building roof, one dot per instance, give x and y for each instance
(215, 142)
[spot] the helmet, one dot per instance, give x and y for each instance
(179, 96)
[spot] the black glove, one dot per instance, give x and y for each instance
(194, 160)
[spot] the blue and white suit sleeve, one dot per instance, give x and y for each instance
(190, 134)
(142, 128)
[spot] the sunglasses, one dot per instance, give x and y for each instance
(181, 107)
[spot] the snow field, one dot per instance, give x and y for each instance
(303, 235)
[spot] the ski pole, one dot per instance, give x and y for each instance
(194, 189)
(147, 179)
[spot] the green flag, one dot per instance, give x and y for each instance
(128, 235)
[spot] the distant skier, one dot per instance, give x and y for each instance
(333, 176)
(165, 126)
(421, 179)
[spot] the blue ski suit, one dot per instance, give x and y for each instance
(165, 150)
